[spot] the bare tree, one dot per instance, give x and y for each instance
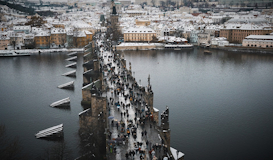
(114, 31)
(35, 21)
(63, 40)
(154, 39)
(231, 3)
(75, 37)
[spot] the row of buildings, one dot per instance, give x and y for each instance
(22, 37)
(137, 24)
(219, 29)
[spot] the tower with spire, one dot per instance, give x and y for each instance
(114, 14)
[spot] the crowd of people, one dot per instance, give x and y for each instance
(129, 114)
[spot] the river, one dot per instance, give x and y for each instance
(28, 86)
(221, 105)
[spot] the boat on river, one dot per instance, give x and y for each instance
(13, 54)
(207, 52)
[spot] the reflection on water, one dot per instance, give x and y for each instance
(92, 138)
(220, 104)
(28, 86)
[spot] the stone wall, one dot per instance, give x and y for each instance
(98, 104)
(86, 96)
(156, 116)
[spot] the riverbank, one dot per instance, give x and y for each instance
(139, 46)
(244, 49)
(161, 46)
(44, 50)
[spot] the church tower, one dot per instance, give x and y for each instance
(114, 14)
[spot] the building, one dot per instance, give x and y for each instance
(3, 28)
(42, 40)
(29, 41)
(237, 34)
(4, 42)
(36, 30)
(25, 29)
(125, 2)
(89, 36)
(134, 13)
(142, 22)
(58, 25)
(57, 37)
(259, 41)
(194, 36)
(141, 34)
(17, 40)
(80, 39)
(219, 41)
(248, 3)
(203, 39)
(69, 38)
(235, 30)
(114, 15)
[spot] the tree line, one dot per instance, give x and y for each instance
(19, 7)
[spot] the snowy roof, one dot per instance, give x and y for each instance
(172, 39)
(135, 11)
(79, 34)
(267, 37)
(248, 26)
(247, 19)
(219, 39)
(87, 32)
(58, 31)
(21, 28)
(81, 24)
(140, 30)
(41, 34)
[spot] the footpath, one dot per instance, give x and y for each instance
(132, 132)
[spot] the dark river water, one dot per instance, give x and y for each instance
(28, 86)
(221, 105)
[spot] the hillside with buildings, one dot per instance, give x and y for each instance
(72, 24)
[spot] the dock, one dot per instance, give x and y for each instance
(61, 103)
(55, 131)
